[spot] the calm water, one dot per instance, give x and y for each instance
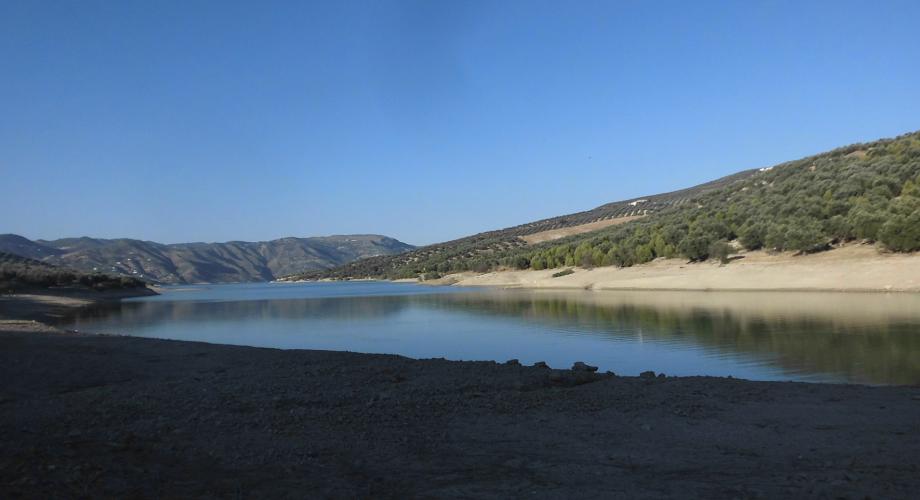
(865, 338)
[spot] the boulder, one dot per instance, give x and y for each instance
(583, 367)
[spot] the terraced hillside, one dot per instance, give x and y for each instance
(235, 261)
(867, 192)
(477, 252)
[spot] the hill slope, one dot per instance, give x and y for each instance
(235, 261)
(862, 191)
(18, 274)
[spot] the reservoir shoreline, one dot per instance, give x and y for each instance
(116, 416)
(851, 268)
(854, 267)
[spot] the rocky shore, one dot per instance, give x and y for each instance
(114, 417)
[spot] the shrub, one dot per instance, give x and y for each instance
(695, 248)
(901, 233)
(776, 237)
(564, 272)
(752, 236)
(721, 250)
(866, 222)
(805, 236)
(644, 253)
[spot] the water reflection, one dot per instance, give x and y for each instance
(866, 338)
(871, 338)
(146, 313)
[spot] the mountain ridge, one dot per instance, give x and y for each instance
(200, 262)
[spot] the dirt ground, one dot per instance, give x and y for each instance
(118, 417)
(555, 234)
(851, 268)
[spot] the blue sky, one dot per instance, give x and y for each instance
(425, 121)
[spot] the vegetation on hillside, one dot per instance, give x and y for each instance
(480, 252)
(867, 192)
(23, 274)
(861, 192)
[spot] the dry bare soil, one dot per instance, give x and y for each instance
(854, 267)
(118, 417)
(555, 234)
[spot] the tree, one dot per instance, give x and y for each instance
(583, 255)
(721, 250)
(901, 233)
(866, 221)
(538, 263)
(837, 228)
(776, 237)
(910, 188)
(644, 253)
(752, 236)
(695, 248)
(805, 236)
(597, 257)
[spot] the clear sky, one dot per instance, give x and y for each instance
(425, 121)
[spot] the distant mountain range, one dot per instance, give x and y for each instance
(184, 263)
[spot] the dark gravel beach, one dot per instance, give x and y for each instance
(100, 416)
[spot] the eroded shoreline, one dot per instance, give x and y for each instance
(852, 268)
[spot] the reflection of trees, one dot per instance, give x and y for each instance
(193, 311)
(880, 352)
(869, 348)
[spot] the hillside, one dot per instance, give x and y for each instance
(863, 192)
(235, 261)
(19, 274)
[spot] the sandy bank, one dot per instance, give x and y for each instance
(851, 268)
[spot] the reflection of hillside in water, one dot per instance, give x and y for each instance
(245, 310)
(862, 337)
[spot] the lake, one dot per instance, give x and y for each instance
(808, 336)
